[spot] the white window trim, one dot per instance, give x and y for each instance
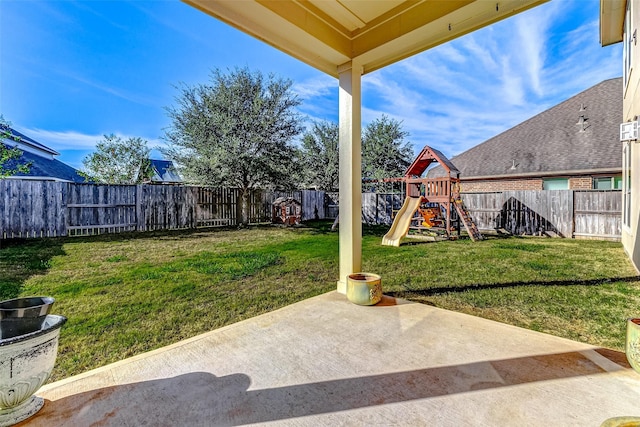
(626, 187)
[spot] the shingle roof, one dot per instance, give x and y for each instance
(26, 140)
(42, 167)
(556, 141)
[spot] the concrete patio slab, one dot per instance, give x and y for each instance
(325, 361)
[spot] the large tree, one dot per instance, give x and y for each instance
(119, 161)
(10, 156)
(385, 151)
(236, 130)
(320, 156)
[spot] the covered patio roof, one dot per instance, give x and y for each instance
(611, 21)
(329, 33)
(346, 39)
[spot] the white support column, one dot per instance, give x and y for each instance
(350, 172)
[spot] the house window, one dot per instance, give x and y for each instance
(607, 183)
(617, 182)
(555, 184)
(626, 185)
(629, 38)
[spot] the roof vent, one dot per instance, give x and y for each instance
(513, 166)
(582, 119)
(583, 123)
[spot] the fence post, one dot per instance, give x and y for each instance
(64, 210)
(240, 206)
(572, 209)
(140, 220)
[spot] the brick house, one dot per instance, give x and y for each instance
(573, 145)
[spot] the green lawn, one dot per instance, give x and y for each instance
(126, 294)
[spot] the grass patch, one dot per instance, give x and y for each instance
(578, 289)
(127, 294)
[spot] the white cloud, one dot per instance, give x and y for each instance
(511, 84)
(190, 32)
(72, 140)
(137, 98)
(464, 92)
(396, 96)
(65, 71)
(451, 53)
(322, 85)
(73, 146)
(68, 140)
(460, 94)
(528, 47)
(481, 53)
(319, 99)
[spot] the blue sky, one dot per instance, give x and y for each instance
(72, 71)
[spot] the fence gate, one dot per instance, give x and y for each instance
(97, 209)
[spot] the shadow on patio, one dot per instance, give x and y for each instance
(201, 397)
(325, 361)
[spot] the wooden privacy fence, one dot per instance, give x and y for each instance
(30, 208)
(47, 209)
(380, 208)
(565, 213)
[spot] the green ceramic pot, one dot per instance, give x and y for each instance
(364, 288)
(632, 349)
(621, 422)
(633, 343)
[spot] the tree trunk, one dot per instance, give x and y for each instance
(244, 211)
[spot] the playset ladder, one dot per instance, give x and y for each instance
(466, 219)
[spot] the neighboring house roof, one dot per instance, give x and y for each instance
(45, 168)
(43, 164)
(164, 171)
(579, 135)
(25, 143)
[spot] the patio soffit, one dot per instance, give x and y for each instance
(611, 21)
(327, 34)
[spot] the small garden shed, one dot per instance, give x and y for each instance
(286, 210)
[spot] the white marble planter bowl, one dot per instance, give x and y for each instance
(21, 316)
(26, 361)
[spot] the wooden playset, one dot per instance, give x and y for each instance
(430, 202)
